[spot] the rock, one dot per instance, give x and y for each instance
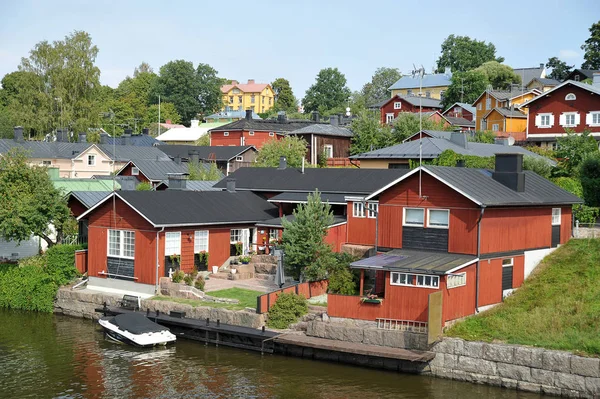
(529, 387)
(473, 365)
(325, 317)
(514, 372)
(585, 366)
(373, 336)
(394, 339)
(543, 377)
(592, 386)
(499, 353)
(473, 349)
(556, 361)
(570, 381)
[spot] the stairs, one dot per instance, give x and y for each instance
(264, 264)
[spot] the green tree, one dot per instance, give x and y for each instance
(539, 165)
(328, 92)
(369, 133)
(498, 75)
(144, 67)
(407, 123)
(136, 92)
(560, 69)
(284, 96)
(204, 171)
(167, 112)
(486, 136)
(209, 89)
(592, 48)
(291, 147)
(30, 203)
(6, 123)
(572, 149)
(203, 140)
(303, 239)
(377, 89)
(465, 87)
(461, 54)
(590, 179)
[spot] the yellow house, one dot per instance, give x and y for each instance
(542, 84)
(258, 97)
(508, 102)
(505, 120)
(431, 86)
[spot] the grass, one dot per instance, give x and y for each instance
(558, 307)
(247, 299)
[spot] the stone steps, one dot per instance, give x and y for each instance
(220, 275)
(264, 259)
(264, 276)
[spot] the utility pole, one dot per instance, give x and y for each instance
(420, 72)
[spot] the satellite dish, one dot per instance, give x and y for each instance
(511, 140)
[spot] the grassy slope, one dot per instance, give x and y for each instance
(247, 299)
(558, 307)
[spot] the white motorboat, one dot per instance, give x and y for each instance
(136, 329)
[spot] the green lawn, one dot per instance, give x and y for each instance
(558, 307)
(247, 299)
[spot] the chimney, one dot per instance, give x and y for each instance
(193, 156)
(177, 159)
(458, 138)
(315, 116)
(19, 134)
(231, 185)
(541, 65)
(460, 163)
(248, 114)
(168, 121)
(596, 80)
(235, 82)
(128, 131)
(74, 153)
(59, 135)
(145, 131)
(177, 181)
(447, 71)
(281, 118)
(509, 171)
(82, 138)
(194, 123)
(103, 138)
(282, 163)
(250, 81)
(333, 120)
(126, 138)
(501, 141)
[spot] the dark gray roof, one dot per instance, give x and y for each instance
(428, 80)
(325, 130)
(507, 112)
(178, 207)
(271, 125)
(527, 74)
(124, 153)
(302, 198)
(379, 104)
(138, 140)
(425, 102)
(455, 121)
(439, 134)
(201, 185)
(545, 81)
(466, 106)
(326, 180)
(276, 222)
(406, 260)
(588, 73)
(232, 115)
(507, 94)
(158, 170)
(221, 153)
(89, 198)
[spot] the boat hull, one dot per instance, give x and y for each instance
(143, 340)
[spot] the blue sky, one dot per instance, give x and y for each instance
(264, 40)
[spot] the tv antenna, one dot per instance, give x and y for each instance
(420, 72)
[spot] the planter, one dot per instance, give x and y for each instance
(233, 271)
(245, 263)
(371, 300)
(215, 269)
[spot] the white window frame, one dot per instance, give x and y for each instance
(566, 115)
(372, 210)
(225, 134)
(46, 163)
(417, 280)
(570, 97)
(389, 118)
(201, 241)
(328, 149)
(235, 233)
(479, 106)
(456, 280)
(135, 171)
(511, 262)
(121, 252)
(271, 134)
(358, 210)
(239, 159)
(482, 125)
(495, 127)
(273, 234)
(91, 160)
(412, 224)
(172, 243)
(397, 105)
(542, 121)
(590, 118)
(429, 225)
(556, 216)
(488, 103)
(251, 133)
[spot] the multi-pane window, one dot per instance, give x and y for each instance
(397, 105)
(135, 171)
(358, 210)
(172, 243)
(414, 216)
(121, 243)
(456, 280)
(507, 262)
(328, 149)
(570, 97)
(424, 280)
(235, 235)
(373, 209)
(252, 99)
(201, 241)
(439, 218)
(389, 118)
(570, 119)
(273, 235)
(417, 280)
(495, 127)
(593, 118)
(544, 120)
(91, 160)
(555, 216)
(488, 103)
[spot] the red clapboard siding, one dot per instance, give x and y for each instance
(490, 282)
(511, 229)
(390, 226)
(336, 236)
(460, 301)
(360, 230)
(462, 237)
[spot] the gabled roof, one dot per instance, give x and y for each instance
(89, 198)
(414, 101)
(206, 153)
(479, 186)
(324, 130)
(269, 125)
(201, 185)
(527, 74)
(69, 185)
(239, 114)
(245, 87)
(137, 140)
(466, 106)
(416, 261)
(462, 122)
(301, 198)
(276, 222)
(193, 208)
(503, 95)
(506, 112)
(379, 104)
(438, 134)
(432, 80)
(326, 180)
(591, 88)
(588, 73)
(545, 81)
(156, 171)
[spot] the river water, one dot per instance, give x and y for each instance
(48, 356)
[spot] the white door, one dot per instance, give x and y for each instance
(246, 240)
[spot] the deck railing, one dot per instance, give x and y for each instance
(308, 289)
(402, 325)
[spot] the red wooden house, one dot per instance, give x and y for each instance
(390, 109)
(472, 234)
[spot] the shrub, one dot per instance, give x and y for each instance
(144, 186)
(28, 287)
(540, 166)
(60, 263)
(178, 276)
(287, 310)
(188, 279)
(585, 214)
(570, 184)
(341, 278)
(590, 180)
(199, 284)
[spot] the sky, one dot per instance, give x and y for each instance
(265, 40)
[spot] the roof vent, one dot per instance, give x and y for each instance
(333, 120)
(509, 171)
(315, 116)
(177, 181)
(282, 163)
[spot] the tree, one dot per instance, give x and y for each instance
(136, 93)
(167, 112)
(377, 89)
(461, 54)
(573, 148)
(30, 203)
(560, 69)
(303, 239)
(369, 133)
(209, 89)
(592, 48)
(143, 68)
(499, 76)
(590, 179)
(465, 87)
(291, 147)
(539, 165)
(284, 96)
(204, 171)
(328, 92)
(407, 123)
(6, 123)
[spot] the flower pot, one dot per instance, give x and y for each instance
(215, 269)
(233, 271)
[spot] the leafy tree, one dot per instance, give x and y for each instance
(573, 148)
(461, 54)
(369, 133)
(136, 93)
(284, 96)
(144, 67)
(144, 186)
(407, 123)
(303, 239)
(377, 89)
(498, 75)
(538, 165)
(328, 92)
(209, 89)
(569, 184)
(342, 280)
(590, 179)
(592, 48)
(6, 123)
(560, 69)
(203, 140)
(465, 87)
(291, 147)
(167, 112)
(30, 203)
(204, 171)
(486, 136)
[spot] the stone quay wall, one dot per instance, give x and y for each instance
(518, 367)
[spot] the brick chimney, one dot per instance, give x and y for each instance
(250, 81)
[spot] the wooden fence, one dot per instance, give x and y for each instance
(81, 260)
(314, 288)
(342, 163)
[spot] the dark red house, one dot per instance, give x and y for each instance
(572, 106)
(390, 109)
(461, 110)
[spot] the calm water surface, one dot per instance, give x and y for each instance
(47, 356)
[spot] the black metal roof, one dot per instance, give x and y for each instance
(271, 125)
(413, 261)
(326, 180)
(276, 222)
(178, 207)
(299, 198)
(221, 153)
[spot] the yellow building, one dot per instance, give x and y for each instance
(431, 86)
(507, 103)
(542, 84)
(258, 97)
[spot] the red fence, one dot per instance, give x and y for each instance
(81, 260)
(314, 288)
(342, 163)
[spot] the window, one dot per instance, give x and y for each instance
(328, 150)
(273, 235)
(409, 92)
(438, 218)
(235, 235)
(577, 78)
(373, 209)
(240, 99)
(262, 98)
(479, 106)
(413, 216)
(495, 127)
(457, 111)
(358, 210)
(570, 97)
(419, 280)
(251, 133)
(173, 243)
(488, 103)
(482, 125)
(252, 99)
(507, 262)
(91, 160)
(442, 92)
(200, 241)
(135, 171)
(46, 163)
(225, 134)
(236, 91)
(271, 134)
(569, 119)
(121, 243)
(397, 105)
(593, 118)
(544, 120)
(230, 99)
(389, 118)
(555, 216)
(239, 159)
(456, 280)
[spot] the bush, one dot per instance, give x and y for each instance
(60, 263)
(570, 184)
(585, 214)
(178, 276)
(540, 166)
(144, 186)
(189, 280)
(341, 278)
(590, 180)
(199, 284)
(287, 310)
(28, 287)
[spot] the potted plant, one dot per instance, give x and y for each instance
(239, 248)
(245, 259)
(172, 262)
(371, 298)
(201, 260)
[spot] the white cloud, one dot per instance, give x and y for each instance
(568, 54)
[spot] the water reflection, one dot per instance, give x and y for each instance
(54, 356)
